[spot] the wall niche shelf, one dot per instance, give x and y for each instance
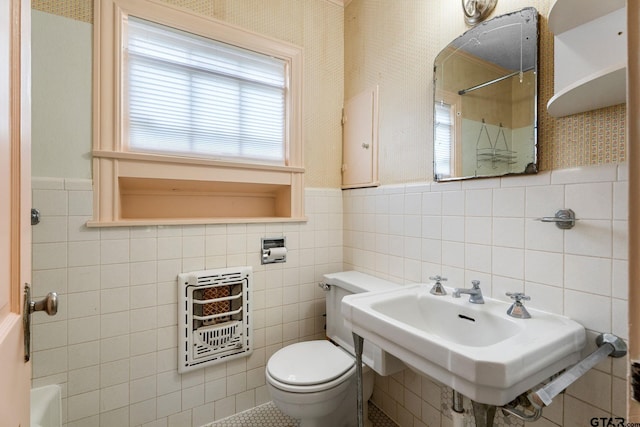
(590, 55)
(146, 189)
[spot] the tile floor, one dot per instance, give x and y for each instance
(268, 415)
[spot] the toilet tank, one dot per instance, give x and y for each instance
(353, 282)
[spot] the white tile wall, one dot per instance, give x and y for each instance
(113, 346)
(486, 229)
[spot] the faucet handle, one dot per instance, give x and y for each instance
(517, 309)
(518, 296)
(476, 284)
(437, 288)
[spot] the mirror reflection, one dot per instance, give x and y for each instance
(485, 97)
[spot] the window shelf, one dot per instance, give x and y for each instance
(193, 192)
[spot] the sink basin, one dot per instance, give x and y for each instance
(476, 349)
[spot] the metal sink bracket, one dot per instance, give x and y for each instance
(608, 345)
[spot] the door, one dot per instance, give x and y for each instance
(15, 201)
(633, 137)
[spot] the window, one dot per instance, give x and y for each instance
(447, 152)
(443, 136)
(195, 120)
(189, 95)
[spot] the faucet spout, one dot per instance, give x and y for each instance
(475, 293)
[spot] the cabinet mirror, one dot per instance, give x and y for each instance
(485, 100)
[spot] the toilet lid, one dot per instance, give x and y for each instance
(309, 363)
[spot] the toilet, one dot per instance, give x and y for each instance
(315, 381)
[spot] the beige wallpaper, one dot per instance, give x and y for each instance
(391, 44)
(317, 26)
(394, 45)
(81, 10)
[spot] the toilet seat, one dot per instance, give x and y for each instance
(309, 366)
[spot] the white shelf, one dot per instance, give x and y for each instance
(590, 55)
(603, 89)
(567, 14)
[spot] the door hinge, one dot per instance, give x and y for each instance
(343, 169)
(344, 118)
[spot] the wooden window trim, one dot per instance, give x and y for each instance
(275, 192)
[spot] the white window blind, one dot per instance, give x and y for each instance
(443, 136)
(189, 95)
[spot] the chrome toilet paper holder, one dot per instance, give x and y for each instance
(273, 250)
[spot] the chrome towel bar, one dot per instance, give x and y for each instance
(564, 219)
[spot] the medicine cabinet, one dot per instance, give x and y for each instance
(485, 100)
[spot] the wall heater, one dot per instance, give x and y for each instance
(214, 317)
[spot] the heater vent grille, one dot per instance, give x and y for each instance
(215, 315)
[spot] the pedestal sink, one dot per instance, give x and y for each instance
(476, 349)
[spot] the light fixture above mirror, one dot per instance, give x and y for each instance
(476, 11)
